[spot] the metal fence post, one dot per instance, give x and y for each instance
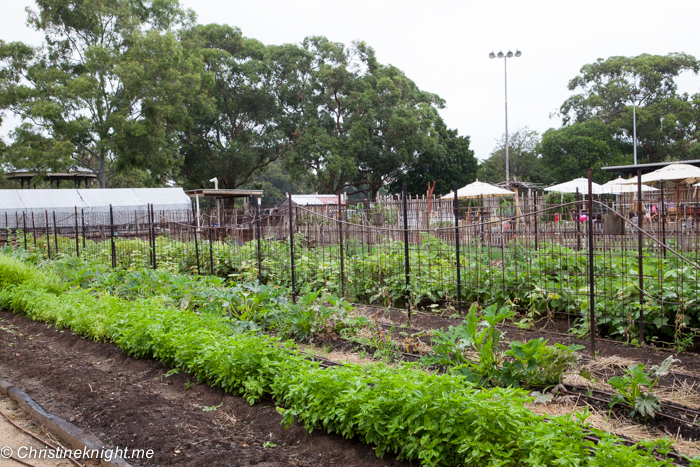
(24, 222)
(578, 220)
(640, 251)
(150, 235)
(77, 234)
(291, 247)
(196, 251)
(257, 238)
(33, 229)
(662, 216)
(55, 232)
(82, 221)
(534, 220)
(211, 247)
(340, 242)
(153, 233)
(48, 236)
(591, 270)
(406, 258)
(111, 237)
(459, 269)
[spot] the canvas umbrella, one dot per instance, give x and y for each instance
(619, 186)
(577, 184)
(478, 189)
(679, 172)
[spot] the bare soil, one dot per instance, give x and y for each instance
(132, 403)
(685, 371)
(553, 330)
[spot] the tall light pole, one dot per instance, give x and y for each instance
(505, 58)
(634, 126)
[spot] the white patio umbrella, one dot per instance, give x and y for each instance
(477, 189)
(618, 186)
(577, 184)
(680, 172)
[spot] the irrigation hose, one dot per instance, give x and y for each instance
(38, 438)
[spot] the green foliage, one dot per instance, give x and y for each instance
(352, 122)
(305, 318)
(449, 160)
(534, 363)
(667, 121)
(525, 163)
(233, 130)
(107, 87)
(432, 418)
(630, 388)
(538, 364)
(570, 151)
(552, 278)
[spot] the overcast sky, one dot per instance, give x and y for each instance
(443, 46)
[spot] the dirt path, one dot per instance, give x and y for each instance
(133, 403)
(11, 437)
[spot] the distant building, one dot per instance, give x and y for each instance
(77, 175)
(314, 200)
(318, 203)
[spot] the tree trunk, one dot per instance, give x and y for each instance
(101, 172)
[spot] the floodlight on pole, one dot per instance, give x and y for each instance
(505, 58)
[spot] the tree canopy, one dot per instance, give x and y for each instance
(524, 160)
(354, 123)
(569, 152)
(108, 80)
(449, 160)
(233, 130)
(667, 121)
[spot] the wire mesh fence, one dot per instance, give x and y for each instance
(623, 265)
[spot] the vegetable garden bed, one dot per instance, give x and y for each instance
(439, 419)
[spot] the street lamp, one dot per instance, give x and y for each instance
(505, 58)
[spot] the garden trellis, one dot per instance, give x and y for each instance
(543, 256)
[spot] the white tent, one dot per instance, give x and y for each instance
(618, 186)
(577, 184)
(676, 171)
(478, 189)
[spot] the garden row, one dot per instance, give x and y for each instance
(439, 419)
(552, 278)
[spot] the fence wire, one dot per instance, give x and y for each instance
(535, 253)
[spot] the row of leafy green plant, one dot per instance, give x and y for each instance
(475, 349)
(437, 419)
(552, 278)
(534, 363)
(247, 306)
(318, 315)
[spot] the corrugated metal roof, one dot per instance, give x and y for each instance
(94, 199)
(315, 200)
